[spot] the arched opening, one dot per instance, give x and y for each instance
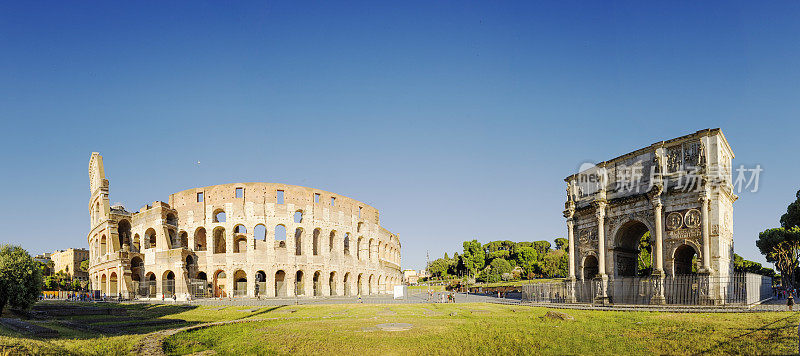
(124, 232)
(371, 247)
(590, 268)
(298, 241)
(315, 242)
(685, 260)
(200, 239)
(189, 261)
(173, 241)
(219, 216)
(280, 235)
(346, 282)
(331, 240)
(137, 243)
(260, 287)
(137, 268)
(103, 247)
(172, 219)
(298, 284)
(360, 284)
(358, 248)
(112, 285)
(347, 243)
(317, 286)
(240, 284)
(219, 240)
(239, 229)
(632, 251)
(240, 244)
(184, 237)
(150, 287)
(371, 284)
(150, 238)
(168, 284)
(104, 284)
(219, 284)
(298, 216)
(332, 283)
(358, 228)
(260, 232)
(280, 283)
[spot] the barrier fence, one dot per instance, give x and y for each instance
(739, 288)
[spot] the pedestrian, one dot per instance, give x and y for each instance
(359, 298)
(790, 301)
(257, 296)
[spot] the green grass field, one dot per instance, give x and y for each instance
(437, 329)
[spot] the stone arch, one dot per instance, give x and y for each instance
(260, 232)
(298, 216)
(590, 267)
(219, 283)
(298, 241)
(315, 242)
(124, 233)
(172, 219)
(239, 283)
(219, 239)
(184, 238)
(346, 283)
(150, 238)
(200, 239)
(168, 284)
(317, 283)
(280, 235)
(360, 284)
(112, 284)
(103, 245)
(137, 268)
(219, 216)
(346, 244)
(684, 260)
(359, 255)
(332, 283)
(331, 240)
(150, 289)
(280, 283)
(371, 284)
(371, 247)
(627, 251)
(299, 283)
(137, 243)
(240, 244)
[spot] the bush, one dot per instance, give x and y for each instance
(20, 278)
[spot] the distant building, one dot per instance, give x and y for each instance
(69, 261)
(43, 258)
(410, 276)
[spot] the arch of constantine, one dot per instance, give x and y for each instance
(239, 239)
(676, 195)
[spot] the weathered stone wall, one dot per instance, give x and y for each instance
(192, 241)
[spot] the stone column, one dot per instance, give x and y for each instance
(568, 213)
(658, 254)
(706, 268)
(602, 295)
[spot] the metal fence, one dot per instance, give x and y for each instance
(199, 288)
(739, 288)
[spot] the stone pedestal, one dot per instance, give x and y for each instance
(602, 290)
(658, 288)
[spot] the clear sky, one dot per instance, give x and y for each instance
(456, 120)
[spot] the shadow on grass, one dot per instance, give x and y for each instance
(765, 327)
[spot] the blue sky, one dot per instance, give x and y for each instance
(458, 120)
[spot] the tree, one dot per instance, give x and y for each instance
(474, 258)
(562, 244)
(555, 264)
(497, 268)
(792, 216)
(645, 260)
(85, 265)
(781, 246)
(528, 259)
(20, 278)
(541, 246)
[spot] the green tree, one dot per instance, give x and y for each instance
(562, 244)
(555, 264)
(645, 260)
(781, 246)
(474, 257)
(85, 265)
(528, 259)
(542, 247)
(497, 268)
(20, 278)
(792, 216)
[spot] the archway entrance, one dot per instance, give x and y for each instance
(298, 283)
(332, 283)
(347, 290)
(219, 284)
(685, 260)
(168, 284)
(590, 268)
(240, 285)
(317, 287)
(632, 250)
(112, 284)
(280, 285)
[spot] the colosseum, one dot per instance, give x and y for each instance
(239, 240)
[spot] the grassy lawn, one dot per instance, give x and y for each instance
(437, 329)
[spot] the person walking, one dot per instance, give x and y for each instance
(257, 296)
(790, 301)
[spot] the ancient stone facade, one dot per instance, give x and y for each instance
(238, 240)
(679, 190)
